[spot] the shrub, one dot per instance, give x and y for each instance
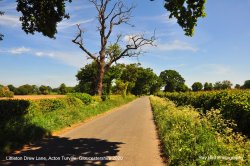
(84, 97)
(234, 104)
(51, 104)
(5, 92)
(73, 101)
(189, 138)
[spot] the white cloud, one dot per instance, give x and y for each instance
(19, 50)
(68, 58)
(175, 45)
(66, 24)
(163, 18)
(9, 20)
(41, 54)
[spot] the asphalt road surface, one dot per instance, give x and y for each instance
(127, 133)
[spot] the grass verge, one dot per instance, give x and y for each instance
(190, 138)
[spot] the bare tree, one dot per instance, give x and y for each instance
(107, 20)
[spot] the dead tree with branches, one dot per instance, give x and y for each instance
(109, 54)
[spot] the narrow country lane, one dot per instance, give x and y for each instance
(127, 133)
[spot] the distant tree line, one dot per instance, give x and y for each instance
(34, 90)
(134, 79)
(122, 79)
(226, 84)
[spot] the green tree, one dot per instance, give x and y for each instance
(186, 12)
(5, 92)
(237, 86)
(87, 77)
(42, 16)
(45, 90)
(172, 80)
(197, 86)
(226, 84)
(146, 81)
(62, 89)
(218, 85)
(130, 75)
(26, 90)
(12, 88)
(208, 86)
(246, 84)
(182, 88)
(112, 74)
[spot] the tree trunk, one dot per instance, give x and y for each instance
(100, 77)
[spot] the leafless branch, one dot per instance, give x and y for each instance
(133, 48)
(120, 14)
(79, 41)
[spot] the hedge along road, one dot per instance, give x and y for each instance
(128, 134)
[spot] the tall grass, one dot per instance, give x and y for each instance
(190, 138)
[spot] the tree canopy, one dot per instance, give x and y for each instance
(246, 84)
(197, 86)
(186, 12)
(42, 16)
(172, 80)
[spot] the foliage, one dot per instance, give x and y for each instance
(226, 84)
(42, 16)
(45, 90)
(5, 92)
(189, 138)
(121, 87)
(172, 80)
(186, 12)
(237, 86)
(146, 81)
(26, 90)
(87, 77)
(197, 86)
(234, 104)
(25, 121)
(208, 86)
(84, 97)
(62, 89)
(246, 84)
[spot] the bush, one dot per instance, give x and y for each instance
(84, 97)
(234, 104)
(189, 138)
(5, 92)
(51, 104)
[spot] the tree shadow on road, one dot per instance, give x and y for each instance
(58, 147)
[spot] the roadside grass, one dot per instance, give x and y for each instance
(191, 138)
(26, 121)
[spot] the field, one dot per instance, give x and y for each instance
(35, 97)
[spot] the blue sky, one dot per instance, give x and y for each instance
(219, 49)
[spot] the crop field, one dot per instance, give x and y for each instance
(36, 97)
